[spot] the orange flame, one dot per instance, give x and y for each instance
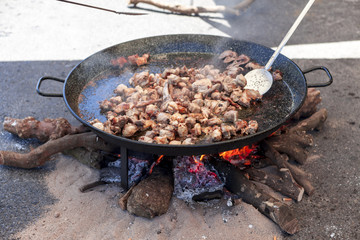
(155, 163)
(239, 153)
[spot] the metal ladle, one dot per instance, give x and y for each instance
(261, 79)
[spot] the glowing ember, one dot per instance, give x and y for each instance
(156, 163)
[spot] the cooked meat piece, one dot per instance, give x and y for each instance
(129, 130)
(146, 139)
(122, 108)
(194, 108)
(228, 131)
(163, 117)
(247, 96)
(240, 81)
(198, 95)
(140, 79)
(277, 75)
(170, 135)
(151, 110)
(214, 121)
(215, 87)
(175, 142)
(228, 55)
(136, 60)
(228, 84)
(242, 59)
(196, 130)
(216, 95)
(116, 100)
(206, 113)
(236, 95)
(177, 117)
(150, 134)
(202, 85)
(240, 125)
(161, 140)
(188, 141)
(182, 130)
(206, 130)
(106, 105)
(168, 71)
(99, 125)
(253, 65)
(216, 135)
(251, 128)
(190, 122)
(199, 102)
(231, 116)
(119, 121)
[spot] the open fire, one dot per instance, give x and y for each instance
(240, 172)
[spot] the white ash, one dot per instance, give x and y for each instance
(192, 177)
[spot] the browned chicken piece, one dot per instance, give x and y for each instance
(151, 110)
(231, 116)
(247, 96)
(206, 130)
(216, 135)
(177, 117)
(188, 141)
(128, 92)
(170, 135)
(175, 142)
(196, 130)
(129, 130)
(240, 81)
(120, 89)
(110, 115)
(242, 59)
(202, 85)
(119, 121)
(253, 65)
(214, 121)
(236, 95)
(251, 128)
(122, 108)
(140, 79)
(228, 131)
(206, 112)
(169, 71)
(215, 87)
(190, 122)
(240, 125)
(233, 69)
(106, 105)
(220, 107)
(150, 134)
(134, 98)
(194, 108)
(228, 56)
(96, 123)
(277, 75)
(116, 100)
(163, 117)
(146, 139)
(161, 140)
(182, 130)
(228, 84)
(216, 95)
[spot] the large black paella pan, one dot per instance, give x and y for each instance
(94, 79)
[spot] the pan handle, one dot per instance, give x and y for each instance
(48, 94)
(319, 84)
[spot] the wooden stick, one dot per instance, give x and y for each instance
(299, 176)
(237, 183)
(40, 155)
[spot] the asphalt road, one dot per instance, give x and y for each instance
(331, 213)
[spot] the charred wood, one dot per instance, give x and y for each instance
(151, 197)
(281, 181)
(237, 183)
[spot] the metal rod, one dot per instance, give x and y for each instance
(124, 168)
(288, 35)
(104, 9)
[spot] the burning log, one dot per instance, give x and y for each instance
(309, 107)
(237, 183)
(190, 10)
(152, 196)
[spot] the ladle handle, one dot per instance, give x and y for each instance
(289, 34)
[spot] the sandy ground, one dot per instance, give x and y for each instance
(96, 215)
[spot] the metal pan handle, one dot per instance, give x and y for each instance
(319, 84)
(48, 94)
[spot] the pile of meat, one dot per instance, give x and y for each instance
(183, 105)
